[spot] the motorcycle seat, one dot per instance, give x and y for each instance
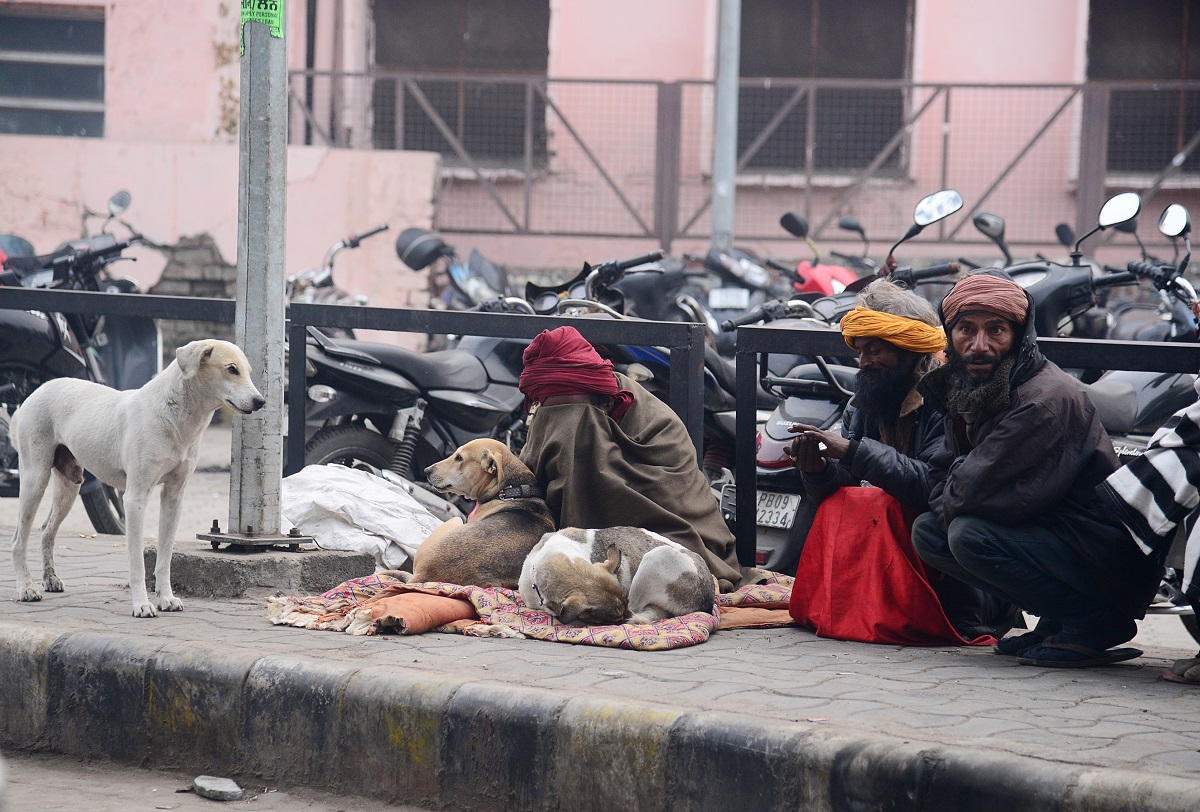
(445, 369)
(1117, 403)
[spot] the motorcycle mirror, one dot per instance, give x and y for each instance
(1065, 235)
(1174, 221)
(1119, 209)
(794, 224)
(118, 203)
(937, 206)
(850, 223)
(992, 227)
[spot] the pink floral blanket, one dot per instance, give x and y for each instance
(354, 608)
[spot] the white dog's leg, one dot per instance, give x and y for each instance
(135, 514)
(34, 478)
(168, 521)
(62, 497)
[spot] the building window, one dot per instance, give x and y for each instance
(824, 39)
(1150, 40)
(51, 72)
(479, 37)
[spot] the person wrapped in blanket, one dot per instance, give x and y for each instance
(1014, 509)
(858, 577)
(1157, 497)
(609, 454)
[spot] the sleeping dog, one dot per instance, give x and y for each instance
(616, 575)
(510, 519)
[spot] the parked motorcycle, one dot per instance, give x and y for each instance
(813, 276)
(468, 285)
(317, 285)
(389, 409)
(122, 352)
(815, 393)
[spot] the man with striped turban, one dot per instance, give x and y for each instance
(1014, 510)
(858, 577)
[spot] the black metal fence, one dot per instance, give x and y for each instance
(684, 342)
(755, 344)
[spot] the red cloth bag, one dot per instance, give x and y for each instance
(861, 579)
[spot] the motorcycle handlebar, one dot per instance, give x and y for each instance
(653, 256)
(749, 317)
(941, 269)
(354, 239)
(1118, 278)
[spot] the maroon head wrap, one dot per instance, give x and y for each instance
(562, 362)
(985, 291)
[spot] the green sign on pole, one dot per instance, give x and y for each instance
(267, 12)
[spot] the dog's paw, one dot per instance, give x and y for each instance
(492, 630)
(29, 593)
(169, 603)
(144, 610)
(52, 583)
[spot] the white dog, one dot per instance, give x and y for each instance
(131, 440)
(616, 575)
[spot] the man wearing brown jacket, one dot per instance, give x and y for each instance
(1013, 510)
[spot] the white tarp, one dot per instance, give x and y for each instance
(349, 509)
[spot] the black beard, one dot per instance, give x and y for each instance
(881, 392)
(978, 399)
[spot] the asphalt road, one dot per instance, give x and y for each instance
(43, 781)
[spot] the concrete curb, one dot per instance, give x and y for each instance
(446, 743)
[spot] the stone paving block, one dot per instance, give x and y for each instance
(632, 740)
(24, 686)
(390, 733)
(96, 691)
(194, 705)
(198, 570)
(498, 748)
(289, 701)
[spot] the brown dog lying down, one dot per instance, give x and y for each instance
(511, 518)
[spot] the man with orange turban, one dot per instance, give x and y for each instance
(1014, 509)
(609, 453)
(858, 576)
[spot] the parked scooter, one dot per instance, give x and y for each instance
(123, 352)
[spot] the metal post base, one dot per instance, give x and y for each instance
(241, 542)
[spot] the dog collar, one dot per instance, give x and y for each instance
(520, 492)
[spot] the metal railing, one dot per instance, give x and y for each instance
(755, 344)
(684, 342)
(533, 155)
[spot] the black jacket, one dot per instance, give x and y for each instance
(906, 477)
(1038, 460)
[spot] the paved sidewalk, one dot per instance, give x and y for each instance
(774, 715)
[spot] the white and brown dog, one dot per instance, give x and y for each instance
(511, 518)
(132, 440)
(616, 575)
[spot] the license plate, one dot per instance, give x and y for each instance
(777, 509)
(728, 299)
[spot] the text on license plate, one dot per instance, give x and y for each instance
(728, 299)
(777, 509)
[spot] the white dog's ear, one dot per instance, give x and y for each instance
(493, 464)
(613, 562)
(191, 356)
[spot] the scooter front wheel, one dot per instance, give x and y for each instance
(105, 508)
(354, 446)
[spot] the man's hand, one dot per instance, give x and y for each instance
(806, 452)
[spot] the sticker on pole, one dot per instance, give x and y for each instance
(267, 12)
